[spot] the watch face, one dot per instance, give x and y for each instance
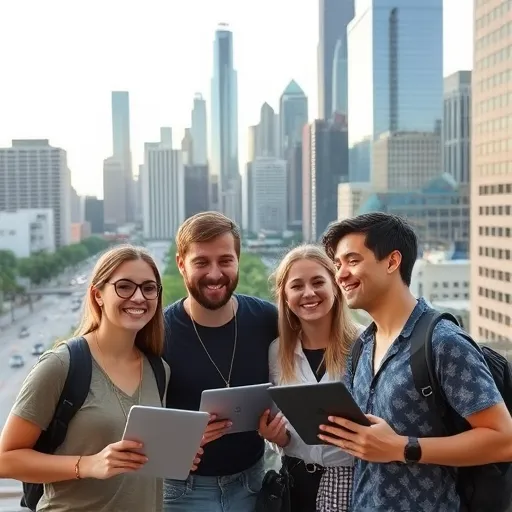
(413, 451)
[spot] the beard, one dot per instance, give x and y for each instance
(199, 293)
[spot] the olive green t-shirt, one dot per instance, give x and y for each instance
(100, 422)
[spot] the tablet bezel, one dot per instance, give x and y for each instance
(242, 405)
(307, 406)
(171, 439)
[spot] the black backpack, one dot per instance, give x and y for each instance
(74, 393)
(481, 488)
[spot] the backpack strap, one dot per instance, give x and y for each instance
(157, 366)
(73, 395)
(422, 364)
(357, 349)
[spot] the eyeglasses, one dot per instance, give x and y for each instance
(125, 289)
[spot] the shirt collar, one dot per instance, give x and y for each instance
(421, 306)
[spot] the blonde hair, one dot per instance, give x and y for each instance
(204, 227)
(343, 330)
(150, 339)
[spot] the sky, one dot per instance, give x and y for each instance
(62, 58)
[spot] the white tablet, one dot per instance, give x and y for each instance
(243, 405)
(171, 439)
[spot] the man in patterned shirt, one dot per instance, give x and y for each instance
(400, 465)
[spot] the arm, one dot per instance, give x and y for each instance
(31, 414)
(469, 389)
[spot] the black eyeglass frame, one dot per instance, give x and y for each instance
(137, 286)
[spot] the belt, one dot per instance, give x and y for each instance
(311, 467)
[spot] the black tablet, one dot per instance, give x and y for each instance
(307, 406)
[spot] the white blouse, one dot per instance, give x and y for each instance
(324, 455)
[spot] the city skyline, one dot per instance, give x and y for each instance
(71, 104)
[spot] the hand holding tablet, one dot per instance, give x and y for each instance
(171, 439)
(242, 406)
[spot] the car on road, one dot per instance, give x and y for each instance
(24, 333)
(38, 349)
(16, 361)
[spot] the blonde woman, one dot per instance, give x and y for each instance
(123, 327)
(315, 338)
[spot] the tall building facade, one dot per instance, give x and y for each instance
(334, 16)
(340, 77)
(199, 130)
(491, 174)
(457, 126)
(93, 213)
(197, 189)
(163, 191)
(395, 73)
(266, 138)
(35, 175)
(268, 195)
(224, 126)
(114, 193)
(324, 166)
(293, 116)
(121, 148)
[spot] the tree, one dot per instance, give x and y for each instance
(8, 270)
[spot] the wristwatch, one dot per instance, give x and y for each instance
(412, 451)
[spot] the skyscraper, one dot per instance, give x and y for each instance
(334, 16)
(457, 125)
(199, 130)
(121, 150)
(395, 73)
(340, 78)
(224, 125)
(293, 116)
(491, 174)
(35, 175)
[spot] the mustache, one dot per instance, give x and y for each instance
(223, 281)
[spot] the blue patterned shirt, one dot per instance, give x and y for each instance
(469, 388)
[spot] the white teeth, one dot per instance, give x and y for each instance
(214, 287)
(350, 287)
(310, 306)
(135, 311)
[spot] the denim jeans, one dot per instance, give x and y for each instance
(231, 493)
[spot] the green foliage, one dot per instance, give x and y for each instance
(253, 278)
(43, 266)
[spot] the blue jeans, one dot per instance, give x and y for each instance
(231, 493)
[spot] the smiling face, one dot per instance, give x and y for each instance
(124, 306)
(362, 278)
(210, 271)
(309, 290)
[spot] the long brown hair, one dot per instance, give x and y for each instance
(343, 330)
(150, 339)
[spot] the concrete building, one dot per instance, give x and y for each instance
(199, 129)
(80, 231)
(114, 193)
(324, 166)
(163, 191)
(27, 231)
(351, 197)
(406, 160)
(35, 175)
(93, 213)
(457, 126)
(268, 195)
(491, 174)
(197, 189)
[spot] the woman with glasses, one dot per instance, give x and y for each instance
(122, 325)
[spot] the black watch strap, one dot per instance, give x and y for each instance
(412, 452)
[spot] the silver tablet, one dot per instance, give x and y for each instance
(171, 439)
(243, 405)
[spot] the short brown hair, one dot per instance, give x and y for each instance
(204, 227)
